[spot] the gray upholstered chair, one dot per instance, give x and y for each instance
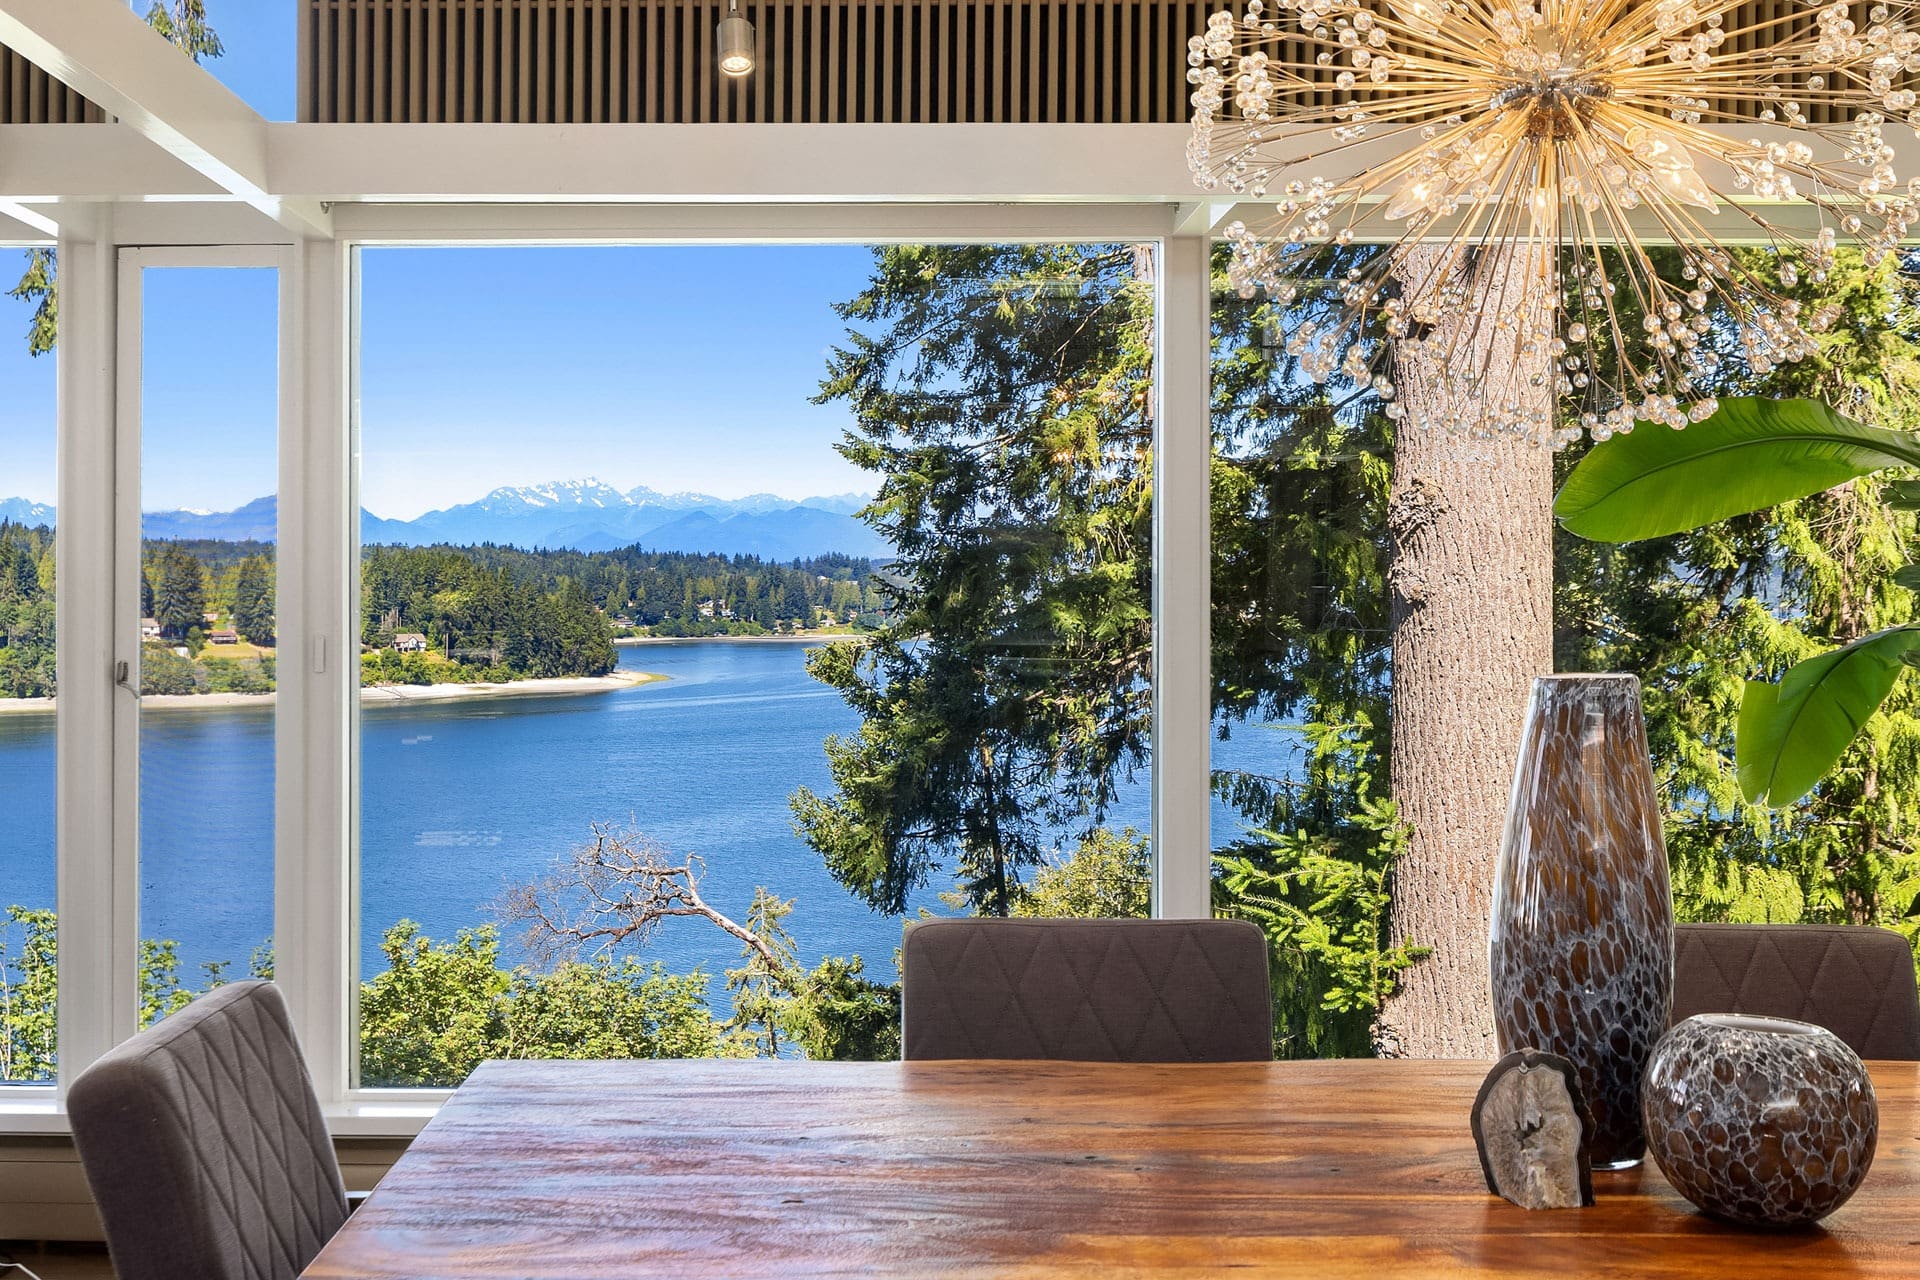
(1855, 981)
(1087, 990)
(204, 1145)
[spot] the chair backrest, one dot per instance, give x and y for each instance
(1855, 981)
(205, 1147)
(1086, 990)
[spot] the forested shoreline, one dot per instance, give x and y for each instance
(638, 592)
(430, 615)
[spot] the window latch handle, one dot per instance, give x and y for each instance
(121, 676)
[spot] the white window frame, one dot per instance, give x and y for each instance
(316, 937)
(97, 821)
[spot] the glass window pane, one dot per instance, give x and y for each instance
(27, 852)
(633, 621)
(209, 479)
(1299, 672)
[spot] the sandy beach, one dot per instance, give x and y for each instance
(380, 695)
(26, 706)
(823, 637)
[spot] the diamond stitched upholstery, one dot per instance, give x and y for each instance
(1087, 990)
(205, 1147)
(1857, 982)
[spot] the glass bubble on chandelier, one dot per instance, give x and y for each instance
(1534, 136)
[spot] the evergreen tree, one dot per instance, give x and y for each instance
(1300, 631)
(253, 600)
(39, 286)
(1109, 875)
(22, 579)
(1301, 645)
(26, 611)
(1696, 614)
(184, 25)
(179, 592)
(1001, 399)
(29, 1025)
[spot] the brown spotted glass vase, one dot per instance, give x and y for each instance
(1760, 1120)
(1582, 931)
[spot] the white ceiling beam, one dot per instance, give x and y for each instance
(383, 224)
(91, 163)
(1202, 217)
(101, 50)
(172, 222)
(745, 163)
(537, 171)
(28, 217)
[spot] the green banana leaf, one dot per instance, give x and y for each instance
(1790, 734)
(1752, 454)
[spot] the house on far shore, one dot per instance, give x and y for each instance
(210, 618)
(149, 629)
(409, 642)
(224, 637)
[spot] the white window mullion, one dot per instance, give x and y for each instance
(318, 675)
(94, 898)
(1182, 581)
(126, 639)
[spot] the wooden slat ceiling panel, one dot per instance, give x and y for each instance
(29, 95)
(821, 61)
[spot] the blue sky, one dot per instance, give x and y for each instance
(676, 368)
(262, 51)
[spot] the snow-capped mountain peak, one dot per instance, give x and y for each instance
(685, 500)
(554, 494)
(22, 511)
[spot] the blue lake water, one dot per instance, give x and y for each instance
(459, 801)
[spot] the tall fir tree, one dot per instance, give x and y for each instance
(1001, 398)
(253, 600)
(179, 591)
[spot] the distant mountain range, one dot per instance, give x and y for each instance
(20, 511)
(584, 515)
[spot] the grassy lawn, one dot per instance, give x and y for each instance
(241, 652)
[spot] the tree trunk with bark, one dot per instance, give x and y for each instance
(1472, 619)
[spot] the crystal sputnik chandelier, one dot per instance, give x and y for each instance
(1536, 134)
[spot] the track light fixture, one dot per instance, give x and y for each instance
(735, 38)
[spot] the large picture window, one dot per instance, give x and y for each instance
(775, 594)
(698, 648)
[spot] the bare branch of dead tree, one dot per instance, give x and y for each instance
(615, 888)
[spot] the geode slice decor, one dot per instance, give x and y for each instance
(1582, 930)
(1763, 1121)
(1532, 1127)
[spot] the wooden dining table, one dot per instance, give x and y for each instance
(959, 1169)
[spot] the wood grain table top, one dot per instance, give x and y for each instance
(1322, 1169)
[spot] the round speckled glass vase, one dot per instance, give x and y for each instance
(1582, 930)
(1763, 1121)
